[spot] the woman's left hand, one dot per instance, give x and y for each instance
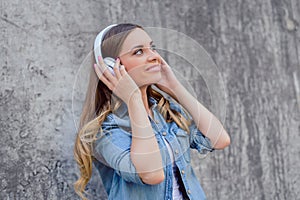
(168, 80)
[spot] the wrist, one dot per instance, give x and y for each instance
(180, 92)
(135, 97)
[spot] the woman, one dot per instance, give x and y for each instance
(137, 139)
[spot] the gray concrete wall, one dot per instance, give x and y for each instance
(255, 45)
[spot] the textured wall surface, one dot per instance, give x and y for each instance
(255, 44)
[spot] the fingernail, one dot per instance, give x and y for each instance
(99, 57)
(95, 65)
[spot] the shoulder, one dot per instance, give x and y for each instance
(113, 133)
(114, 121)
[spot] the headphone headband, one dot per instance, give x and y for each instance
(98, 42)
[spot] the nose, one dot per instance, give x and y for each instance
(153, 56)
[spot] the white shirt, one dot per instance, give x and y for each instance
(176, 192)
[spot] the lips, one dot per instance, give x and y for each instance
(153, 67)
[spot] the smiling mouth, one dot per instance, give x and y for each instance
(154, 68)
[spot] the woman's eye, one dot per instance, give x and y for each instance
(138, 52)
(141, 51)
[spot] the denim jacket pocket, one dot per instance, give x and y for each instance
(184, 141)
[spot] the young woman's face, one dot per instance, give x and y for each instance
(138, 54)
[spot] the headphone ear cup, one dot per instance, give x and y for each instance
(110, 62)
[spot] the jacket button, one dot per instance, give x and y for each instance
(164, 133)
(176, 151)
(189, 191)
(182, 171)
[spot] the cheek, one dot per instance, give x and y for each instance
(129, 64)
(135, 71)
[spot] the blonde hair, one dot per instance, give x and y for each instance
(99, 103)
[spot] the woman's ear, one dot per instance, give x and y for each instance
(120, 60)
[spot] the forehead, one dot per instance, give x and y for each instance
(134, 38)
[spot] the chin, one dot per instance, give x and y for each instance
(155, 79)
(149, 80)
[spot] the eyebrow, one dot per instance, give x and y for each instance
(140, 46)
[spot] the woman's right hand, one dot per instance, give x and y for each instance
(121, 84)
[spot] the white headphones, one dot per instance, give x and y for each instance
(109, 61)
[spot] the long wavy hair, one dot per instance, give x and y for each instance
(99, 103)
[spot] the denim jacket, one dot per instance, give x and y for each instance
(118, 174)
